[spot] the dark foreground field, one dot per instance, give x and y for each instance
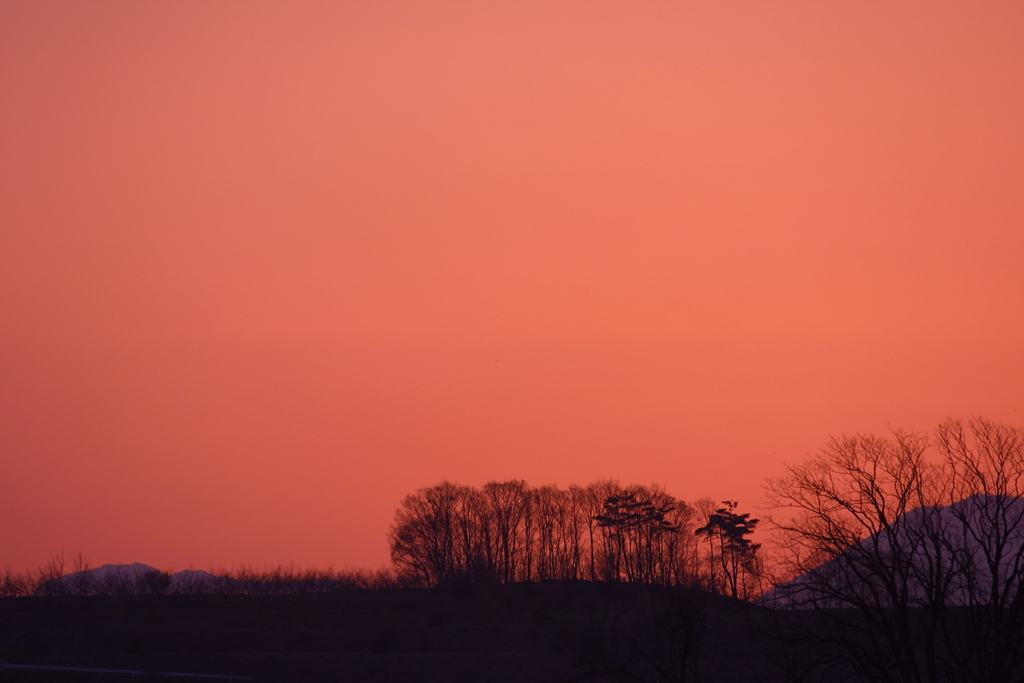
(540, 633)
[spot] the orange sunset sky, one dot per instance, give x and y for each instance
(268, 267)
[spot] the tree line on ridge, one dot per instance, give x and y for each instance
(896, 558)
(509, 531)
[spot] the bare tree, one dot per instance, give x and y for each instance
(423, 534)
(15, 585)
(846, 541)
(909, 559)
(508, 505)
(682, 565)
(81, 580)
(985, 462)
(50, 578)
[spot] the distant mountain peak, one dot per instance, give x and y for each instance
(954, 541)
(136, 577)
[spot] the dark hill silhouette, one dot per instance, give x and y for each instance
(548, 631)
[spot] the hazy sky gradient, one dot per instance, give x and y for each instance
(267, 267)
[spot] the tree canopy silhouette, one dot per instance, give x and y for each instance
(729, 548)
(509, 531)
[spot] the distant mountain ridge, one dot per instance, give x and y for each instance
(972, 551)
(129, 578)
(142, 579)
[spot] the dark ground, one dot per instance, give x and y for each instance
(540, 633)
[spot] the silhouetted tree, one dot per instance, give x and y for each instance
(15, 585)
(634, 528)
(423, 537)
(508, 506)
(730, 549)
(985, 467)
(50, 580)
(910, 560)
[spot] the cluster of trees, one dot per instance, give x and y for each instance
(509, 531)
(897, 558)
(901, 556)
(908, 553)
